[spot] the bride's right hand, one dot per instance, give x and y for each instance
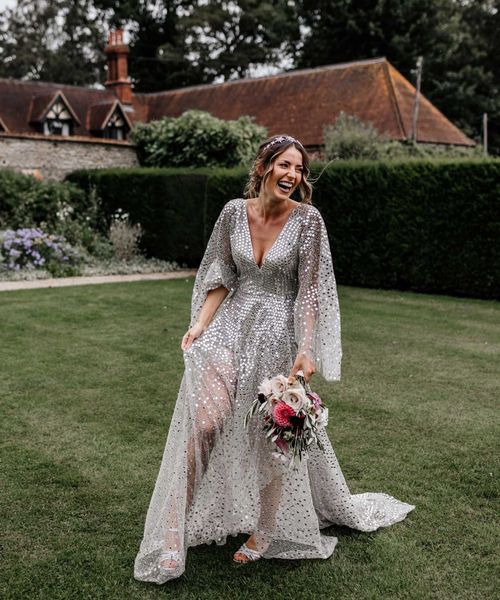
(191, 334)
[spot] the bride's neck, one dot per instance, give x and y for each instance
(269, 207)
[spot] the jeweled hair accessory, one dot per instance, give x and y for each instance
(279, 139)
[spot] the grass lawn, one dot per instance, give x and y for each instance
(89, 377)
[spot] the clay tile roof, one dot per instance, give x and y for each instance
(22, 101)
(297, 102)
(432, 124)
(301, 102)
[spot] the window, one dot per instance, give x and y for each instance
(58, 120)
(116, 128)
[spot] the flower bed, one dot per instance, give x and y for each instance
(30, 253)
(30, 248)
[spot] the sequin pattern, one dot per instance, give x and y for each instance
(218, 479)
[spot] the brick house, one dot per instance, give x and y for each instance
(51, 129)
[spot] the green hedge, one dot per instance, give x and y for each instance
(426, 226)
(166, 202)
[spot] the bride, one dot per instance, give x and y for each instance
(264, 303)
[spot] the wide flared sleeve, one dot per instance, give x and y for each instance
(316, 310)
(217, 267)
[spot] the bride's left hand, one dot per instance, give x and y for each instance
(305, 364)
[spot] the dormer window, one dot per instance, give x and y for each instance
(52, 114)
(58, 120)
(109, 120)
(116, 128)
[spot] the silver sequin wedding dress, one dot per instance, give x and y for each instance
(218, 478)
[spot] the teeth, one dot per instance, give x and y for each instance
(285, 184)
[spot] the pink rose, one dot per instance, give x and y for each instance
(316, 400)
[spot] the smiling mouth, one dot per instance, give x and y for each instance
(285, 186)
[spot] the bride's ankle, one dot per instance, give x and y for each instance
(258, 541)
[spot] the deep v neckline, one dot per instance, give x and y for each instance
(247, 221)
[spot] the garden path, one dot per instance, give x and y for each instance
(6, 286)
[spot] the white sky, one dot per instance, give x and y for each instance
(5, 3)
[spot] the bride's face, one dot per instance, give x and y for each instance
(286, 174)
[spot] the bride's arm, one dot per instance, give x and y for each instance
(213, 300)
(217, 271)
(316, 311)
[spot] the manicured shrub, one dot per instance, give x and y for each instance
(168, 203)
(197, 139)
(429, 226)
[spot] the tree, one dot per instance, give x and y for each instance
(175, 43)
(228, 39)
(483, 19)
(57, 40)
(457, 39)
(151, 26)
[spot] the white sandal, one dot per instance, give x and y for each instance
(249, 553)
(171, 555)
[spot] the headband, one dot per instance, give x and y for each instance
(279, 139)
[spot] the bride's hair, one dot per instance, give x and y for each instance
(268, 152)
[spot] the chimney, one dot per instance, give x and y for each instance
(118, 80)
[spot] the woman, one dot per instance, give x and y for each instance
(264, 303)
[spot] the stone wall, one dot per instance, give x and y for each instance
(54, 158)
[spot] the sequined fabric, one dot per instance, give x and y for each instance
(217, 478)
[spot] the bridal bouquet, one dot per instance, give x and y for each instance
(292, 415)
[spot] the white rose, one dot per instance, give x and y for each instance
(295, 398)
(265, 387)
(279, 384)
